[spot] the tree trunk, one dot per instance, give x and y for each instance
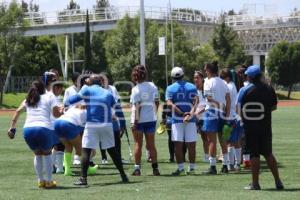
(290, 91)
(1, 97)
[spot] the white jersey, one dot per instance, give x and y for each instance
(70, 91)
(39, 116)
(217, 89)
(201, 105)
(233, 98)
(57, 102)
(146, 94)
(75, 116)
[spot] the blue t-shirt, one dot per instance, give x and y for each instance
(99, 103)
(182, 94)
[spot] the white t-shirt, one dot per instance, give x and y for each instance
(70, 91)
(57, 102)
(75, 116)
(145, 93)
(233, 98)
(217, 89)
(201, 104)
(40, 116)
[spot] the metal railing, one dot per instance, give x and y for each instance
(116, 13)
(237, 21)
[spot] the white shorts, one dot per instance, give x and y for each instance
(182, 132)
(92, 135)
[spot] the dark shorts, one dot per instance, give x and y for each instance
(258, 143)
(146, 127)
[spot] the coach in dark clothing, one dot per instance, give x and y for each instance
(257, 101)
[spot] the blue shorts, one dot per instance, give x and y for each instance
(39, 138)
(67, 130)
(146, 127)
(236, 133)
(213, 121)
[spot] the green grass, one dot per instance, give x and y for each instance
(12, 100)
(18, 179)
(282, 95)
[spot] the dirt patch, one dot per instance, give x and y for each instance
(289, 103)
(6, 112)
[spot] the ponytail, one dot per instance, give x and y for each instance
(34, 94)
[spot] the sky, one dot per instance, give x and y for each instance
(280, 7)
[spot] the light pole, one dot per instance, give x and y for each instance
(172, 34)
(142, 33)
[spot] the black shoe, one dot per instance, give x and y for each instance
(252, 187)
(136, 172)
(91, 163)
(279, 186)
(156, 172)
(224, 169)
(179, 173)
(81, 182)
(171, 160)
(124, 178)
(211, 171)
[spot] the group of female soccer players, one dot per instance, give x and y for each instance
(53, 126)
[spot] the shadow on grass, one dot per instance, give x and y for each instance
(59, 188)
(285, 190)
(116, 183)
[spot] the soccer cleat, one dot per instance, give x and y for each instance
(156, 172)
(224, 169)
(211, 171)
(136, 172)
(279, 186)
(191, 172)
(179, 173)
(81, 182)
(124, 178)
(237, 168)
(104, 162)
(59, 171)
(92, 170)
(231, 168)
(50, 184)
(252, 187)
(41, 184)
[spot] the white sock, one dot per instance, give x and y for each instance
(60, 161)
(181, 166)
(246, 157)
(238, 153)
(212, 161)
(38, 166)
(231, 153)
(192, 166)
(206, 157)
(225, 159)
(137, 166)
(54, 152)
(48, 167)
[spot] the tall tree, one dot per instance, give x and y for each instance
(102, 4)
(87, 44)
(10, 16)
(284, 64)
(227, 46)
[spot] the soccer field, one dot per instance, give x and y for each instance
(18, 180)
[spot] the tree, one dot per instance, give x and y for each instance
(284, 64)
(10, 16)
(87, 44)
(102, 4)
(227, 46)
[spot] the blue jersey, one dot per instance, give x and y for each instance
(99, 103)
(182, 94)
